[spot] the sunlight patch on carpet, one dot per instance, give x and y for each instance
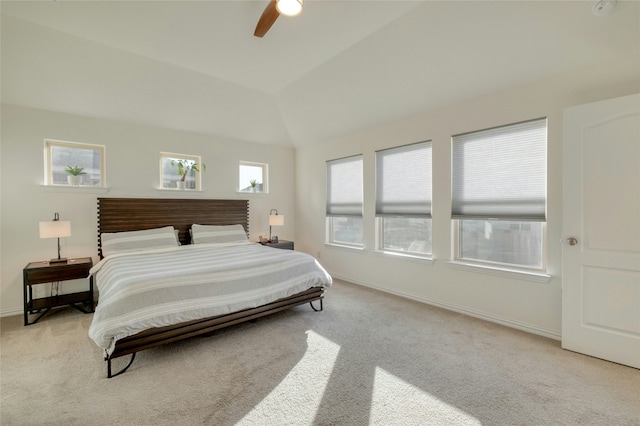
(297, 397)
(394, 401)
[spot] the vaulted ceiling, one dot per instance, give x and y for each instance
(338, 67)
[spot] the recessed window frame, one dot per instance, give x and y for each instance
(50, 169)
(244, 186)
(193, 176)
(518, 217)
(397, 202)
(347, 205)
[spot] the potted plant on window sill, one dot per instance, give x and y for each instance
(184, 167)
(74, 175)
(253, 184)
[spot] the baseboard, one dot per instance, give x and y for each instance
(462, 310)
(472, 313)
(12, 312)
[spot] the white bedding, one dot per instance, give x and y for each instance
(161, 287)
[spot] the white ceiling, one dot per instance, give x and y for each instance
(338, 67)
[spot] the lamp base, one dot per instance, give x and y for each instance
(61, 260)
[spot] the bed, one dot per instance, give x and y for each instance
(172, 269)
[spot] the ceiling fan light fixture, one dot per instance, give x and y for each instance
(289, 7)
(603, 7)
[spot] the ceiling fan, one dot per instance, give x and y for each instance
(274, 9)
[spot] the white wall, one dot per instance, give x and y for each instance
(132, 157)
(132, 171)
(522, 303)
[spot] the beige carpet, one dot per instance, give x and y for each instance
(369, 358)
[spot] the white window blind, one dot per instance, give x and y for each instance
(501, 173)
(344, 186)
(403, 180)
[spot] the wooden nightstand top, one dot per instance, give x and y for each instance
(70, 263)
(281, 244)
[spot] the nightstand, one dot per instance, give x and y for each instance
(281, 244)
(44, 272)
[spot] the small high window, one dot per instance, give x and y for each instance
(253, 177)
(74, 164)
(181, 171)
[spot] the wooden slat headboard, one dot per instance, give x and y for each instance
(132, 214)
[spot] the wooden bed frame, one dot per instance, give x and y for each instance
(130, 214)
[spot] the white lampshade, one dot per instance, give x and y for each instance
(276, 220)
(289, 7)
(55, 229)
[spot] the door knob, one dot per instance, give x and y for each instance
(572, 241)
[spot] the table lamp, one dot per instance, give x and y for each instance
(275, 220)
(56, 229)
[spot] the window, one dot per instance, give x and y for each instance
(87, 159)
(403, 199)
(170, 176)
(253, 177)
(499, 180)
(517, 243)
(344, 201)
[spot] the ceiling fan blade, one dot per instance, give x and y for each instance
(267, 19)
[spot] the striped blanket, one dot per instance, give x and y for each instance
(161, 287)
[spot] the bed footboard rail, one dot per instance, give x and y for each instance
(161, 336)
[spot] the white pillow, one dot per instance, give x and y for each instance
(131, 241)
(218, 234)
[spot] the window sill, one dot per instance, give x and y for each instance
(539, 277)
(404, 256)
(179, 190)
(343, 247)
(69, 189)
(245, 193)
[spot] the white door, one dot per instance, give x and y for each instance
(601, 228)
